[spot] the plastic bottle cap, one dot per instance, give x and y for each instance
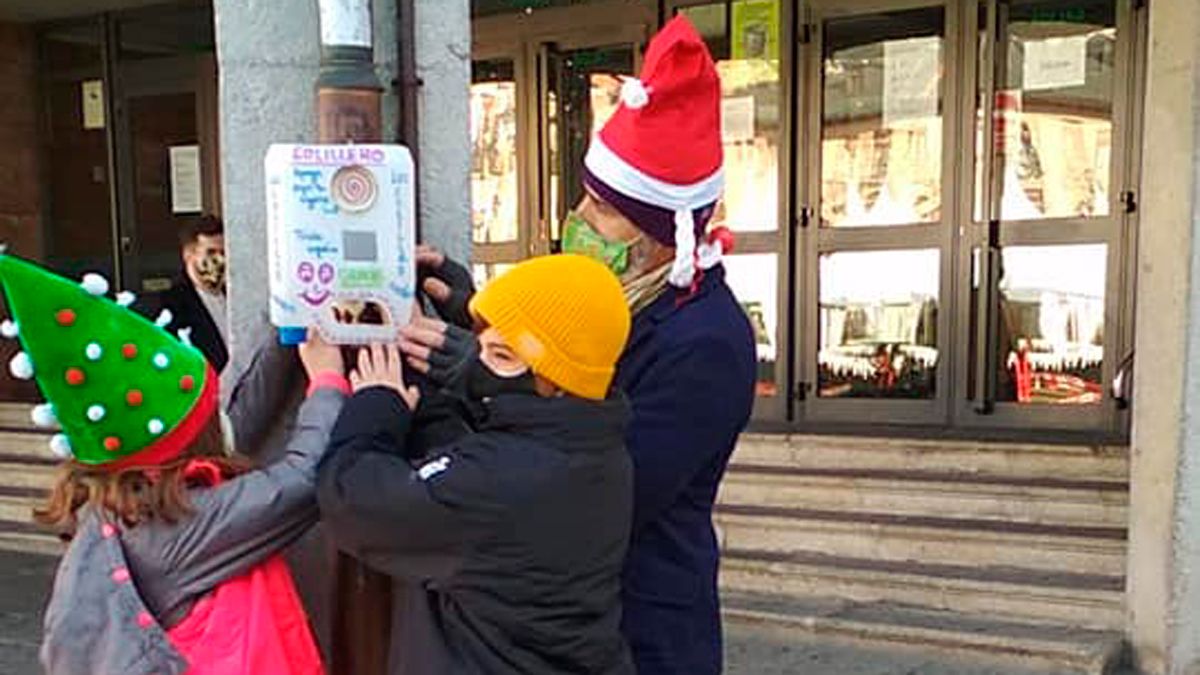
(292, 335)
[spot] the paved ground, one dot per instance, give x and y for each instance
(27, 580)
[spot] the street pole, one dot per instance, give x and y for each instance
(348, 111)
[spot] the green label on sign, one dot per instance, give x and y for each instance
(371, 277)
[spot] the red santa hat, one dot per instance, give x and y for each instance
(658, 159)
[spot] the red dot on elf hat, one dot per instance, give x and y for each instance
(129, 351)
(112, 444)
(134, 398)
(65, 317)
(75, 377)
(187, 383)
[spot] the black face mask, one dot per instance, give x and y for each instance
(482, 383)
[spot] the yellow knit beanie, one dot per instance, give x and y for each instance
(564, 315)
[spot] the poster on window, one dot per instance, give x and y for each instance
(1055, 63)
(755, 33)
(911, 80)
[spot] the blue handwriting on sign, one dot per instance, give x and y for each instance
(319, 251)
(312, 193)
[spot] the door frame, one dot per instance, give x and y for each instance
(1117, 232)
(816, 240)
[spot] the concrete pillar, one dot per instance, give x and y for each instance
(1164, 557)
(268, 53)
(443, 46)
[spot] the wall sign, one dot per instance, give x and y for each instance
(187, 194)
(93, 104)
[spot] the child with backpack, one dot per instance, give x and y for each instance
(173, 559)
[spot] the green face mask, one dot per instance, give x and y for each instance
(580, 238)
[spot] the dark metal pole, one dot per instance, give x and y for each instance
(349, 110)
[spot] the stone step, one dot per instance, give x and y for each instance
(924, 539)
(1091, 652)
(17, 505)
(1074, 462)
(28, 538)
(1070, 599)
(15, 473)
(15, 416)
(1037, 501)
(26, 447)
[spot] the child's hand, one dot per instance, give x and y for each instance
(318, 356)
(380, 366)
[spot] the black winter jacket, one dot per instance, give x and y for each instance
(506, 544)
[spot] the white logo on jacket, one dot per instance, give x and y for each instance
(433, 468)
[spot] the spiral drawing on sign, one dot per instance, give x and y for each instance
(354, 188)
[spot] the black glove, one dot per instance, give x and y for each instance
(449, 365)
(454, 309)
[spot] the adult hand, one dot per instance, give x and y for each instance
(442, 351)
(318, 356)
(447, 283)
(380, 366)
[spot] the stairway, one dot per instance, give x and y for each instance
(26, 473)
(1014, 550)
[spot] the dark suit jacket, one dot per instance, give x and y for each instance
(189, 311)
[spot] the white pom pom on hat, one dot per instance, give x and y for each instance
(21, 366)
(60, 445)
(94, 284)
(43, 415)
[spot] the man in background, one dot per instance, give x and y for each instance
(197, 298)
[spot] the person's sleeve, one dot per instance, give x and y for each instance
(682, 422)
(408, 522)
(247, 519)
(259, 392)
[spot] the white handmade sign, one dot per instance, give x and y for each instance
(341, 228)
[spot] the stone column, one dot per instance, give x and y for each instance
(1164, 546)
(268, 54)
(443, 46)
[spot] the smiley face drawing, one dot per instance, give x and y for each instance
(316, 282)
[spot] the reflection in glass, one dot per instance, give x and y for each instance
(878, 324)
(881, 124)
(751, 111)
(754, 281)
(493, 152)
(1054, 111)
(1051, 342)
(483, 273)
(585, 93)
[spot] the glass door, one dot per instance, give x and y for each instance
(541, 87)
(499, 209)
(876, 236)
(1045, 303)
(581, 89)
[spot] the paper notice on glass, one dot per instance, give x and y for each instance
(93, 104)
(737, 119)
(911, 79)
(1055, 63)
(186, 192)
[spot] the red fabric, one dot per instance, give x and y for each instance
(331, 379)
(175, 441)
(251, 625)
(676, 137)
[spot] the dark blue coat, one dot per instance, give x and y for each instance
(689, 372)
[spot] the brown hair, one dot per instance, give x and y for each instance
(138, 494)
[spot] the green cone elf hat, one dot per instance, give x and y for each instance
(124, 391)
